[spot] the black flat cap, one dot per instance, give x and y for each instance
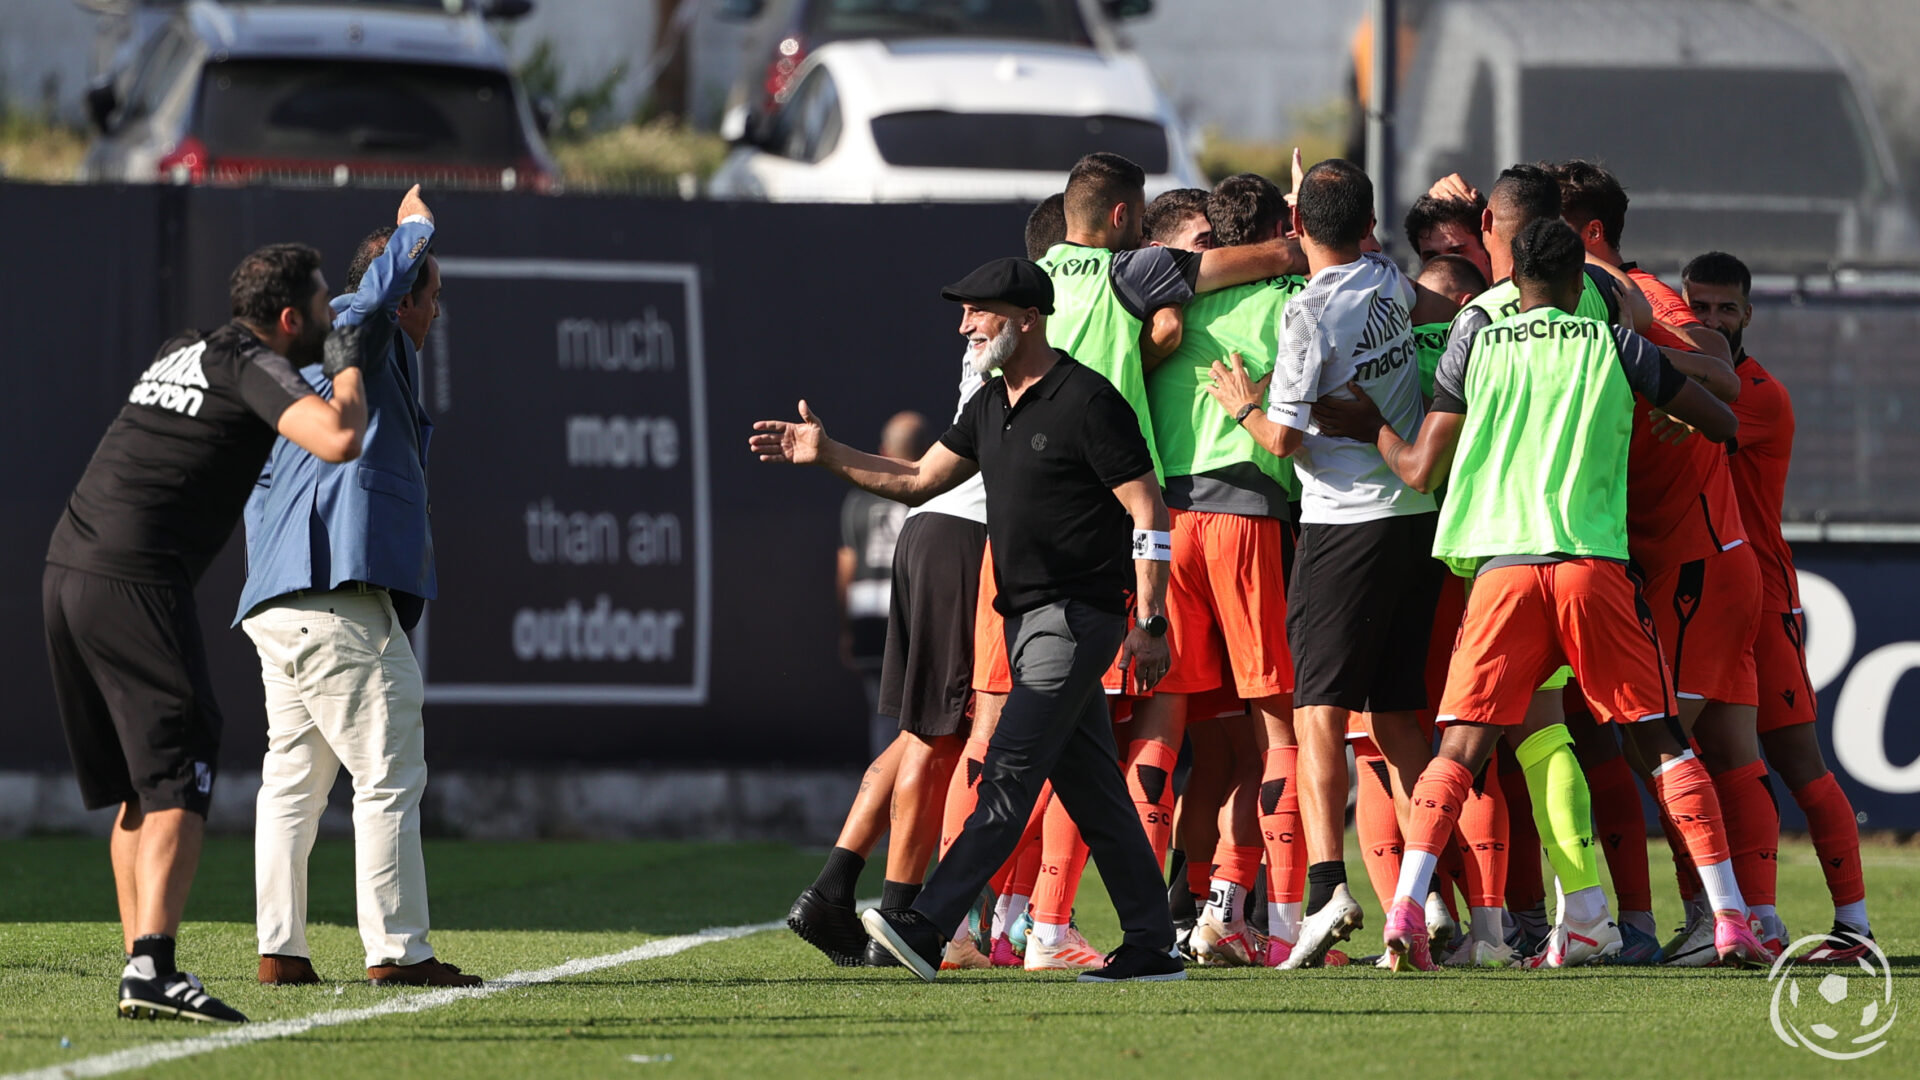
(1019, 282)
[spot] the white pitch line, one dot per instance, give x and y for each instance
(141, 1057)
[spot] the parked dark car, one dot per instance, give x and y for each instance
(320, 93)
(786, 31)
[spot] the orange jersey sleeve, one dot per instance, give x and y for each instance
(1758, 459)
(1681, 503)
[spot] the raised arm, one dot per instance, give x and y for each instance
(1242, 263)
(911, 482)
(389, 277)
(1152, 551)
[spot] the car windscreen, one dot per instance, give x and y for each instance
(1029, 141)
(358, 111)
(1702, 131)
(1023, 20)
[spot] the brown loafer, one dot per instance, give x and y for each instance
(428, 972)
(287, 971)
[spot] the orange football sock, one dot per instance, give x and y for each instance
(1150, 781)
(1836, 837)
(1379, 830)
(1526, 889)
(1062, 859)
(1753, 829)
(1684, 875)
(1199, 877)
(1437, 798)
(1240, 865)
(962, 796)
(1621, 827)
(1482, 834)
(1011, 872)
(1280, 826)
(1686, 792)
(1451, 874)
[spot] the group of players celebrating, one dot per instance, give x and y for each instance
(1509, 531)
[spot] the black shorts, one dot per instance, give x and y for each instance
(1360, 611)
(926, 678)
(130, 679)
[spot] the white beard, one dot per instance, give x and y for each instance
(994, 352)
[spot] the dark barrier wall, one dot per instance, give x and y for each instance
(620, 581)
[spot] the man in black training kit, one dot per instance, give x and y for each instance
(1066, 468)
(160, 497)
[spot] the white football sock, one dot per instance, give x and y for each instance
(1489, 924)
(1584, 906)
(1763, 912)
(1416, 874)
(1723, 890)
(1852, 915)
(1283, 921)
(1226, 901)
(1005, 919)
(1050, 934)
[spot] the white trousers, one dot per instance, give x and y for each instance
(342, 688)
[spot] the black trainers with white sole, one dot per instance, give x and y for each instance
(1135, 963)
(178, 996)
(910, 937)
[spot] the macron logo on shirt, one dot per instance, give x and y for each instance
(175, 381)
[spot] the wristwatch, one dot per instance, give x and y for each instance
(1154, 625)
(1245, 411)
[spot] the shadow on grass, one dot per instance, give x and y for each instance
(572, 886)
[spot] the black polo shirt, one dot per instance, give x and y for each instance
(1051, 464)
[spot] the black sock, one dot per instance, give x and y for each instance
(1321, 878)
(158, 947)
(895, 895)
(836, 881)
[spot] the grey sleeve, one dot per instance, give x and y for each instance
(1609, 291)
(1150, 278)
(1450, 377)
(1649, 372)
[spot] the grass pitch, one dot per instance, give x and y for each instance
(768, 1005)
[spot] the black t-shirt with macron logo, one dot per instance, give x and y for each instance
(171, 476)
(1051, 463)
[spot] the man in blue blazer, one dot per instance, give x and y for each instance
(339, 567)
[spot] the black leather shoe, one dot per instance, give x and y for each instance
(834, 929)
(1133, 963)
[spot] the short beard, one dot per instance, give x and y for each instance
(996, 351)
(309, 348)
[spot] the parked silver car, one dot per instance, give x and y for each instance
(1730, 126)
(321, 93)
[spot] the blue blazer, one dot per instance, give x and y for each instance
(311, 525)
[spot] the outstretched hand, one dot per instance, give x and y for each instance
(412, 204)
(1233, 389)
(1357, 419)
(790, 443)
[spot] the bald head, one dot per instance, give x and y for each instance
(904, 437)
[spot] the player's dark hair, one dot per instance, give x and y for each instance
(1718, 268)
(1547, 251)
(1170, 209)
(1244, 208)
(370, 248)
(1336, 203)
(1098, 182)
(1046, 225)
(1429, 212)
(272, 279)
(1452, 274)
(1588, 192)
(1529, 189)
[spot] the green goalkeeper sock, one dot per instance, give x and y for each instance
(1562, 806)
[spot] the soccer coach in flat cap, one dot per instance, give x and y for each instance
(1080, 552)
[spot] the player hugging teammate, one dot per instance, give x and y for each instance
(1595, 458)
